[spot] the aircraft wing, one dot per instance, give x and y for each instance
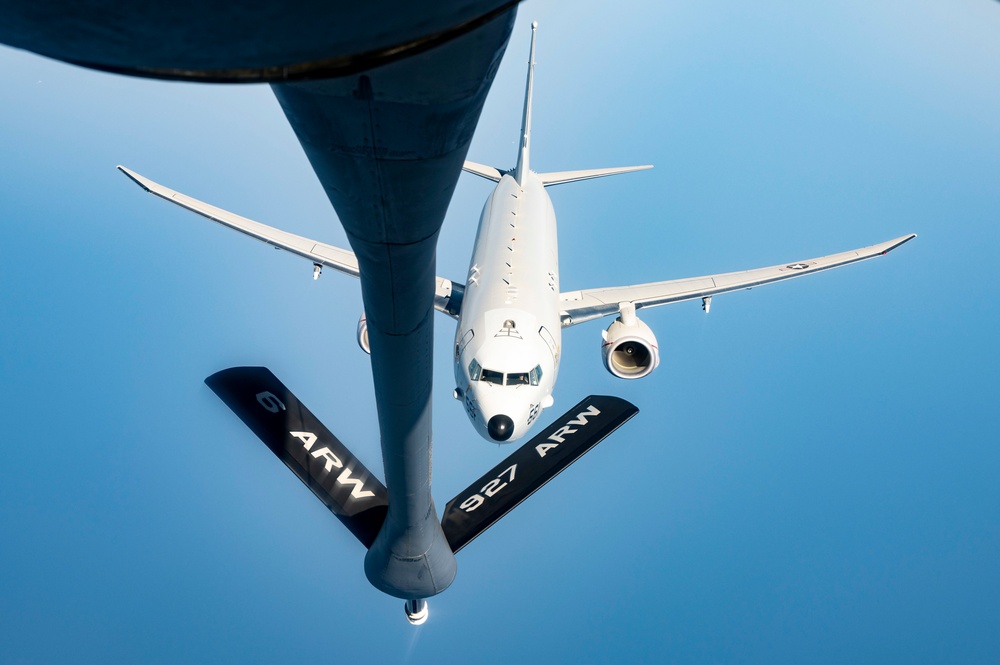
(447, 296)
(580, 306)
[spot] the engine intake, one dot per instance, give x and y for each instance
(629, 350)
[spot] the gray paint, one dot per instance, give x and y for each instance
(253, 41)
(388, 147)
(387, 139)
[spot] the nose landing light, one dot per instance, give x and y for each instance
(500, 427)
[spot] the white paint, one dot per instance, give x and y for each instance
(514, 262)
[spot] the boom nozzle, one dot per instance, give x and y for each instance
(416, 611)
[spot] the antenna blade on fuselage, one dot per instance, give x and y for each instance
(531, 466)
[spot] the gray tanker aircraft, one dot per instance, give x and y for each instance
(384, 97)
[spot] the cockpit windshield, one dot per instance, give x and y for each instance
(490, 376)
(477, 373)
(517, 379)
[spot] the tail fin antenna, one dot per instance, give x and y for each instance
(522, 156)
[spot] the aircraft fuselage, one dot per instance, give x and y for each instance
(509, 335)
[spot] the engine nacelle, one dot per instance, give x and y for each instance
(363, 334)
(629, 350)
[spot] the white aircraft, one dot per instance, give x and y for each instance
(510, 310)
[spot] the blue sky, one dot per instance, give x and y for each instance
(812, 476)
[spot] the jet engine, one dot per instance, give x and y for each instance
(363, 334)
(629, 350)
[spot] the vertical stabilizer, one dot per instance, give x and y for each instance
(522, 156)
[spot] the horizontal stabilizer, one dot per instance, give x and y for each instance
(531, 466)
(306, 446)
(560, 177)
(483, 171)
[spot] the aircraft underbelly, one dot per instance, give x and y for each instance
(511, 302)
(268, 40)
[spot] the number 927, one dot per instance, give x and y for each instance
(489, 489)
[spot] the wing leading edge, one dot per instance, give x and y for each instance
(586, 305)
(447, 296)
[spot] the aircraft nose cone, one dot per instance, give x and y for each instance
(500, 427)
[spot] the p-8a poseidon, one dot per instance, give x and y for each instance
(510, 309)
